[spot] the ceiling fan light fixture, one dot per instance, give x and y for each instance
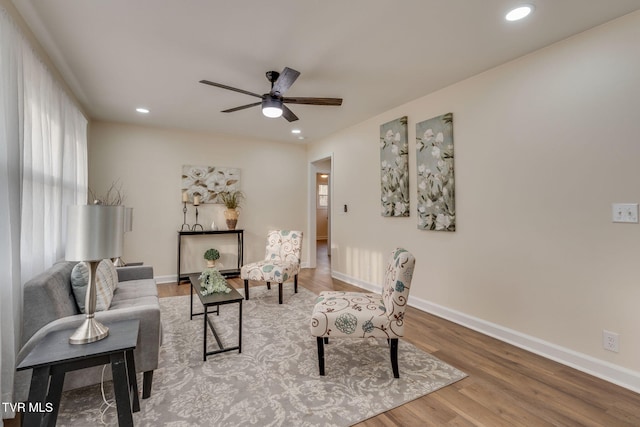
(272, 107)
(272, 103)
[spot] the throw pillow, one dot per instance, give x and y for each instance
(104, 285)
(110, 272)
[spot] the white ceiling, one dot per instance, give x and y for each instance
(117, 55)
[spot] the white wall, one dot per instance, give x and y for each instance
(543, 146)
(148, 164)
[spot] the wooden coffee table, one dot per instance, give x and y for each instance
(215, 300)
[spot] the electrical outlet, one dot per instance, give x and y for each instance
(610, 341)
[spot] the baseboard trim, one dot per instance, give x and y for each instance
(356, 282)
(171, 278)
(607, 371)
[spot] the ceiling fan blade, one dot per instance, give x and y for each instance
(314, 101)
(207, 82)
(231, 110)
(288, 114)
(286, 79)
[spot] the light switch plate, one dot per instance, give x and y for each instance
(624, 212)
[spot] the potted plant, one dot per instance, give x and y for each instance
(231, 201)
(211, 255)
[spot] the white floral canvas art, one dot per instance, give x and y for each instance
(394, 168)
(436, 191)
(209, 181)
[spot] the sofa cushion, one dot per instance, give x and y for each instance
(134, 289)
(134, 303)
(106, 283)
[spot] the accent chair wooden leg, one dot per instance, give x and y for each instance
(147, 380)
(269, 285)
(295, 283)
(394, 357)
(280, 293)
(320, 341)
(326, 340)
(246, 289)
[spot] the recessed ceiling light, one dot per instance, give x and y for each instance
(142, 110)
(301, 137)
(295, 131)
(519, 12)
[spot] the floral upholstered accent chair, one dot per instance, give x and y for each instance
(363, 315)
(281, 262)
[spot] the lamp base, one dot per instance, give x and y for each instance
(118, 262)
(90, 331)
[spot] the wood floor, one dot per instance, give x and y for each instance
(506, 386)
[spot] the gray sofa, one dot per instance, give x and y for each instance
(49, 305)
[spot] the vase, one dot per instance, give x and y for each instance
(211, 263)
(231, 215)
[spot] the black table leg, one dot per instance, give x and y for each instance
(121, 389)
(37, 395)
(240, 326)
(190, 300)
(54, 396)
(204, 348)
(133, 382)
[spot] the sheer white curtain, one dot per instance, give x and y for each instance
(43, 168)
(10, 177)
(54, 173)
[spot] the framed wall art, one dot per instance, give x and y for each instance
(394, 168)
(209, 181)
(436, 190)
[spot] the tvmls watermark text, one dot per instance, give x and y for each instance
(27, 407)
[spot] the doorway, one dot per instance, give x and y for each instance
(320, 195)
(322, 219)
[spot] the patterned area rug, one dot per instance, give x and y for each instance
(274, 381)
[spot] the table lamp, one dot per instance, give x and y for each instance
(94, 232)
(128, 226)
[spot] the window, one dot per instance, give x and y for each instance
(323, 195)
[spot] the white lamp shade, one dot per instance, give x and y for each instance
(94, 232)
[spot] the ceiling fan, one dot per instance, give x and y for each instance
(273, 102)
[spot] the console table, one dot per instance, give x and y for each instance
(52, 357)
(232, 272)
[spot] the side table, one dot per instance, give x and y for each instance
(54, 356)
